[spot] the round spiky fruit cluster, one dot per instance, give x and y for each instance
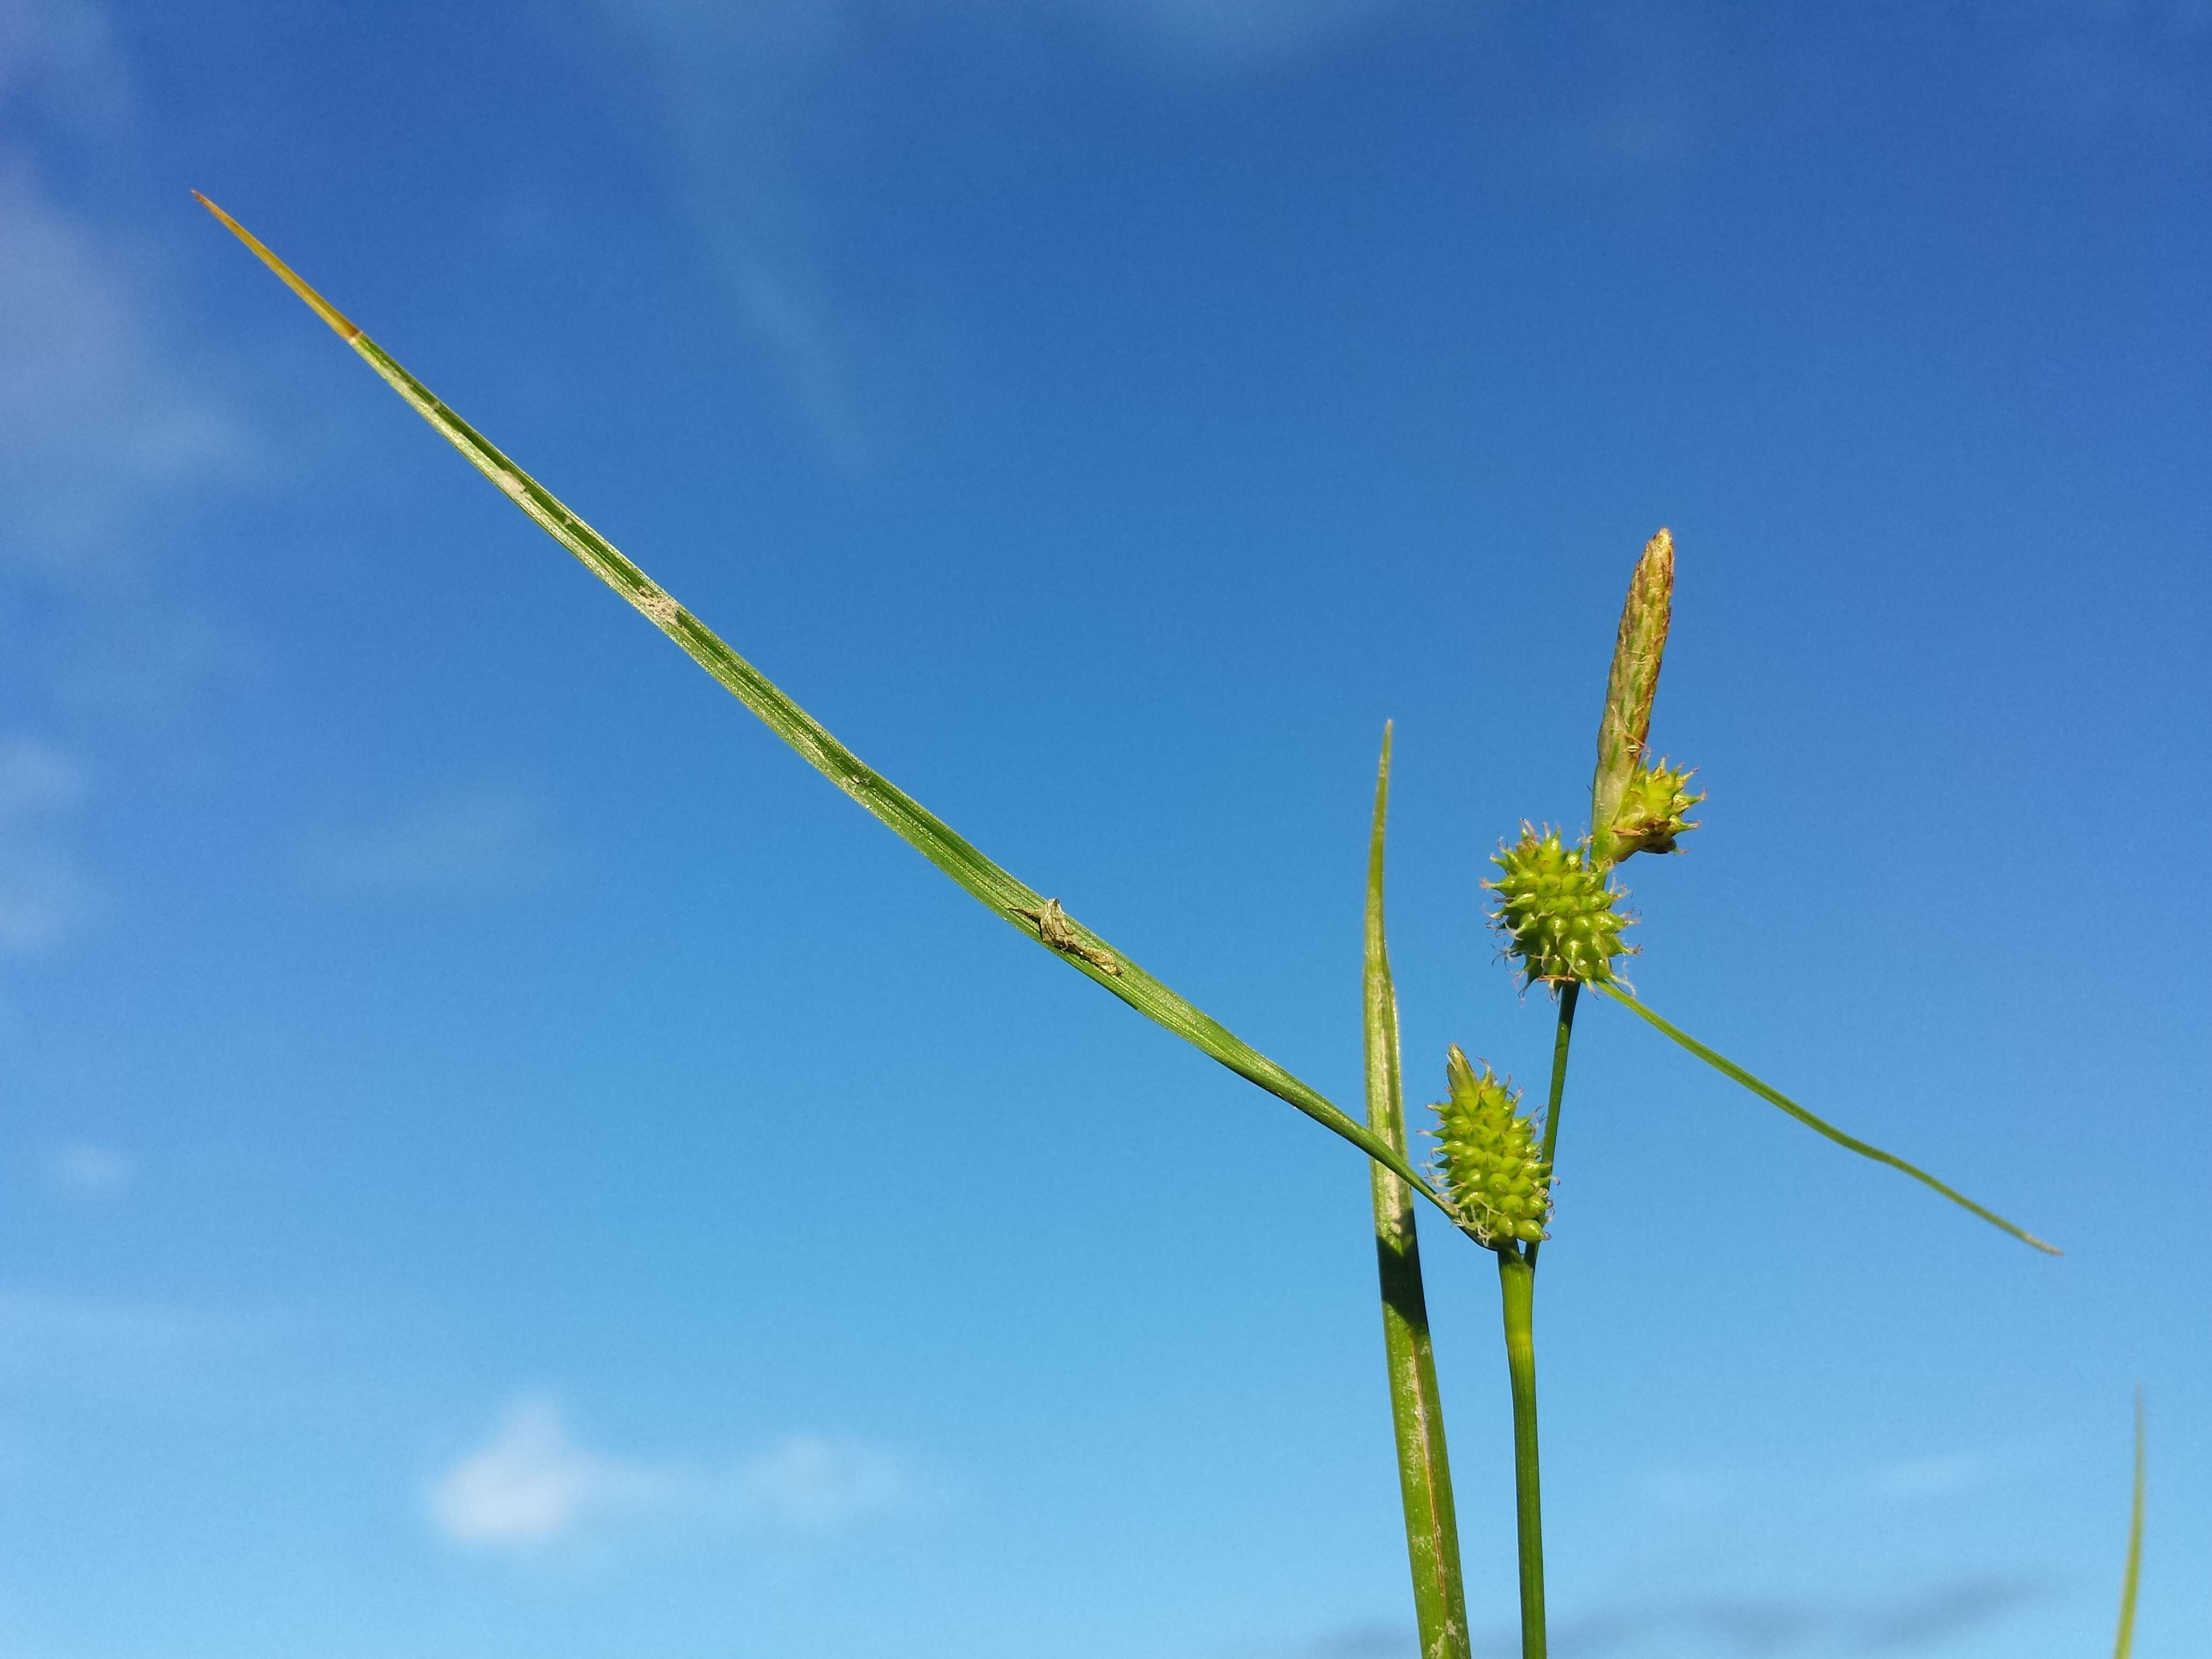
(1556, 912)
(1488, 1156)
(1651, 811)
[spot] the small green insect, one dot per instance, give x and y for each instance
(1054, 928)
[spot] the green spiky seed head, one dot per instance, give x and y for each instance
(1488, 1156)
(1557, 912)
(1651, 811)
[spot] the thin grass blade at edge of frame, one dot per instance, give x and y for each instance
(2123, 1643)
(1774, 1096)
(1013, 901)
(1416, 1405)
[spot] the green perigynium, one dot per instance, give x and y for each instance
(1650, 814)
(1489, 1156)
(1557, 912)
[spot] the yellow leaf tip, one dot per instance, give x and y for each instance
(340, 324)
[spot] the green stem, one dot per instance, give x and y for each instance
(1568, 997)
(1565, 1034)
(1516, 1279)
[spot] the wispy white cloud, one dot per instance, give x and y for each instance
(1687, 1491)
(2093, 67)
(530, 1484)
(531, 1489)
(1235, 34)
(1911, 1618)
(109, 439)
(46, 896)
(60, 57)
(1708, 1494)
(768, 118)
(811, 1484)
(136, 1349)
(1917, 1479)
(482, 841)
(102, 429)
(1380, 1639)
(91, 1172)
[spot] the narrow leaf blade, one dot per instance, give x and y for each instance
(1416, 1406)
(1013, 900)
(2123, 1643)
(1774, 1096)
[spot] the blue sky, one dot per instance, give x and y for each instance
(500, 1159)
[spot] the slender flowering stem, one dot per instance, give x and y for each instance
(1570, 993)
(1516, 1279)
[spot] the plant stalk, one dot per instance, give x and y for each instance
(1416, 1408)
(1516, 1279)
(1569, 994)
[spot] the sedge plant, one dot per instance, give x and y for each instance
(1558, 908)
(1558, 915)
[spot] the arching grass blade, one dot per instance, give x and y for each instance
(1774, 1096)
(1022, 907)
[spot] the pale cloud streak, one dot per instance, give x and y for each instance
(1916, 1618)
(2095, 67)
(109, 439)
(102, 424)
(1239, 35)
(60, 57)
(1919, 1480)
(130, 1349)
(46, 896)
(769, 122)
(475, 842)
(100, 427)
(88, 1172)
(530, 1484)
(532, 1490)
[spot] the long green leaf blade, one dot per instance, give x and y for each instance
(1416, 1408)
(2124, 1643)
(1013, 901)
(1774, 1096)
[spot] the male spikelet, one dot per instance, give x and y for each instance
(1638, 651)
(1556, 911)
(1488, 1156)
(1651, 811)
